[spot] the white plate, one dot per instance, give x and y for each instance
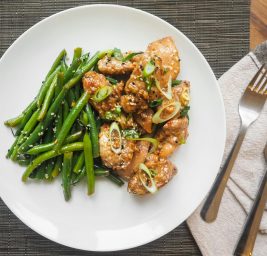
(112, 219)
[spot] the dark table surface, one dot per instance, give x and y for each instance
(220, 29)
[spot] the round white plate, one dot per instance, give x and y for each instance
(112, 219)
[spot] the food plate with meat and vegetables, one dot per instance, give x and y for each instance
(126, 125)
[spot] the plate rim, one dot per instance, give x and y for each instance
(222, 109)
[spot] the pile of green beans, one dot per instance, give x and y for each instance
(57, 133)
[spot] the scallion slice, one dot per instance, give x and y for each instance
(114, 128)
(152, 188)
(102, 93)
(157, 119)
(149, 69)
(130, 56)
(167, 94)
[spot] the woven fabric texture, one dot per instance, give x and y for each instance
(220, 29)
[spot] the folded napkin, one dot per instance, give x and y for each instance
(220, 237)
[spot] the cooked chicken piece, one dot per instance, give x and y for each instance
(118, 162)
(111, 66)
(171, 135)
(136, 94)
(163, 168)
(138, 158)
(167, 52)
(144, 119)
(92, 81)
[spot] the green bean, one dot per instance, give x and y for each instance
(49, 146)
(24, 162)
(13, 122)
(116, 179)
(73, 137)
(48, 98)
(93, 131)
(79, 164)
(57, 62)
(66, 172)
(84, 118)
(29, 126)
(70, 119)
(77, 146)
(26, 116)
(23, 136)
(60, 82)
(57, 167)
(89, 164)
(72, 69)
(63, 67)
(40, 128)
(101, 172)
(10, 151)
(78, 177)
(77, 54)
(45, 87)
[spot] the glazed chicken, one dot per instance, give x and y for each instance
(112, 66)
(130, 105)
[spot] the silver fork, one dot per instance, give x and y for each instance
(248, 236)
(250, 107)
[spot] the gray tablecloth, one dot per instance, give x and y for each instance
(220, 29)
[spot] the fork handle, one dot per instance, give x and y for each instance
(211, 206)
(247, 239)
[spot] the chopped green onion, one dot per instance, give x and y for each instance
(130, 56)
(156, 119)
(153, 141)
(152, 188)
(176, 82)
(117, 54)
(155, 103)
(130, 134)
(102, 93)
(167, 94)
(114, 114)
(112, 80)
(149, 69)
(114, 127)
(184, 111)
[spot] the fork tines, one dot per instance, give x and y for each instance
(258, 83)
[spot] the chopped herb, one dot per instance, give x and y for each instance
(130, 56)
(117, 54)
(114, 114)
(130, 134)
(112, 80)
(176, 82)
(149, 69)
(155, 103)
(117, 110)
(148, 83)
(184, 111)
(165, 70)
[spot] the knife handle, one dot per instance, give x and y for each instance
(211, 206)
(248, 236)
